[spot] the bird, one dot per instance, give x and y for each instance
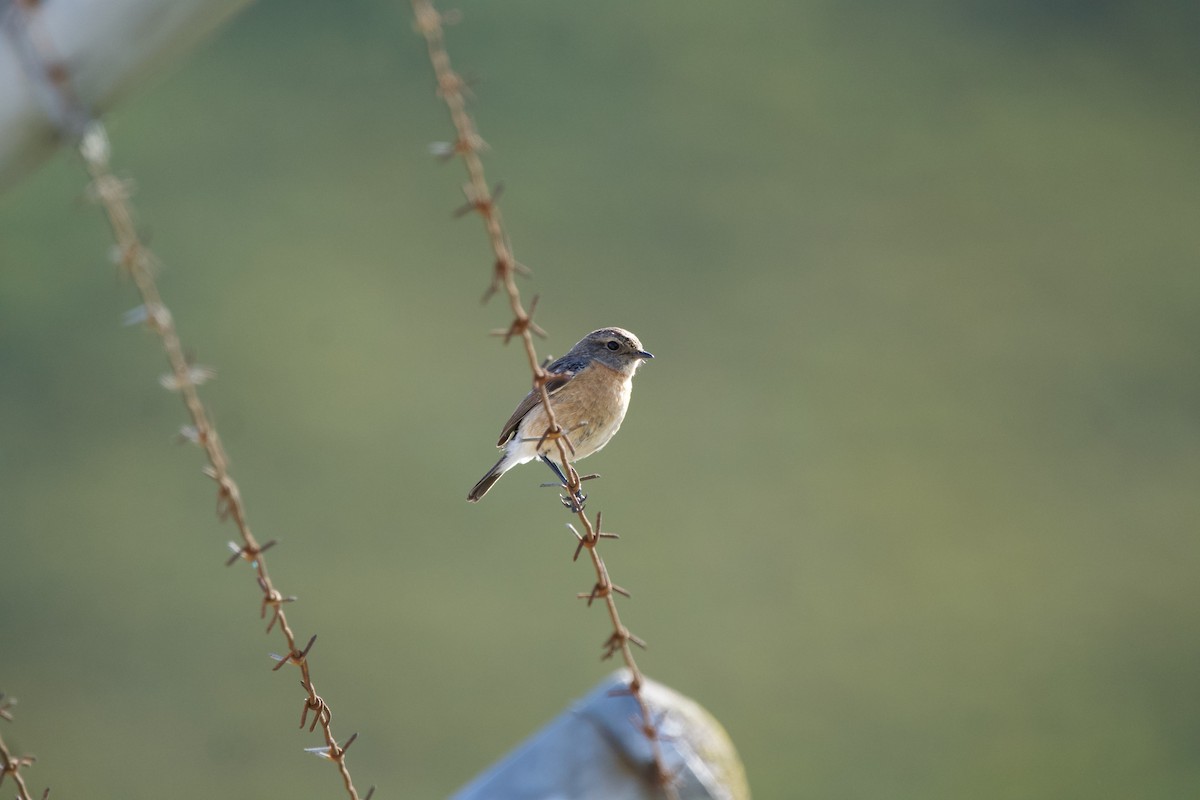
(589, 390)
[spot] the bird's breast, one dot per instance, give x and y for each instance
(590, 408)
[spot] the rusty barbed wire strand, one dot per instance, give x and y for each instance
(10, 764)
(50, 78)
(429, 22)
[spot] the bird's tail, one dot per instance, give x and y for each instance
(480, 489)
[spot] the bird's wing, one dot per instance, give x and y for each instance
(556, 381)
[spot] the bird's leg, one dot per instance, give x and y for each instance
(558, 473)
(575, 504)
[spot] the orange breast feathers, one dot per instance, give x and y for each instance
(590, 408)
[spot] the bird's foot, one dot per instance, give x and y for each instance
(573, 503)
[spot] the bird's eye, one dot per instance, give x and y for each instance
(613, 346)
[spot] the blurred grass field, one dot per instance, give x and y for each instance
(908, 497)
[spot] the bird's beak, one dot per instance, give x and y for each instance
(643, 354)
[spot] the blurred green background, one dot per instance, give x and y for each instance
(908, 499)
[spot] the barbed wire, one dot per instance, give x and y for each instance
(51, 80)
(10, 764)
(482, 200)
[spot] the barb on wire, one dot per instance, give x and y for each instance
(481, 200)
(51, 81)
(11, 765)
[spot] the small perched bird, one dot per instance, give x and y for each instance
(589, 391)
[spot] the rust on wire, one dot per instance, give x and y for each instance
(11, 765)
(467, 146)
(135, 260)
